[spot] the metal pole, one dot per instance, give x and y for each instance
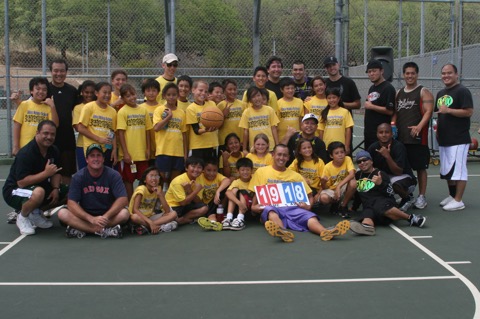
(452, 30)
(83, 50)
(256, 32)
(338, 29)
(346, 27)
(422, 28)
(365, 31)
(108, 39)
(460, 38)
(44, 38)
(167, 26)
(172, 27)
(408, 40)
(7, 79)
(400, 22)
(86, 48)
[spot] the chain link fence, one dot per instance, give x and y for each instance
(214, 39)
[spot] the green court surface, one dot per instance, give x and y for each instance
(402, 272)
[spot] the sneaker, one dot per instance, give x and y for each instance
(24, 225)
(168, 227)
(339, 229)
(343, 212)
(237, 224)
(12, 217)
(115, 232)
(276, 231)
(406, 203)
(454, 205)
(362, 229)
(71, 232)
(38, 220)
(227, 224)
(208, 224)
(445, 201)
(418, 220)
(421, 202)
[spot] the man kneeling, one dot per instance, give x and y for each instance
(97, 199)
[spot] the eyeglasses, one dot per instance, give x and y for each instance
(174, 64)
(360, 161)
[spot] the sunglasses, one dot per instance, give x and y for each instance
(360, 161)
(175, 64)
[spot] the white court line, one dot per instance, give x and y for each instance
(473, 290)
(13, 243)
(421, 237)
(4, 242)
(472, 175)
(458, 262)
(224, 283)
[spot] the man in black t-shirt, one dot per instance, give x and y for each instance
(275, 68)
(454, 106)
(380, 102)
(376, 192)
(65, 98)
(303, 83)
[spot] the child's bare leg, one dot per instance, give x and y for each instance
(275, 218)
(165, 218)
(192, 215)
(351, 188)
(129, 188)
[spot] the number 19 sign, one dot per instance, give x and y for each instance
(283, 194)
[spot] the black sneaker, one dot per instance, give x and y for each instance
(115, 232)
(71, 232)
(418, 220)
(343, 212)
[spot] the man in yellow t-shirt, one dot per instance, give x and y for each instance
(297, 218)
(169, 65)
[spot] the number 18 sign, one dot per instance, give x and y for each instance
(283, 194)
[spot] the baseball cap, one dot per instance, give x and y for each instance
(93, 147)
(330, 60)
(374, 64)
(310, 116)
(169, 58)
(363, 154)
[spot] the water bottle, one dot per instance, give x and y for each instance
(110, 135)
(394, 130)
(164, 115)
(220, 216)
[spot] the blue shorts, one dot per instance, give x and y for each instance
(167, 163)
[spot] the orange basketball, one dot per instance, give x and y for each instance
(473, 144)
(211, 117)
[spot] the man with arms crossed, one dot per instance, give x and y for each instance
(414, 107)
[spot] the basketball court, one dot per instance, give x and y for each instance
(402, 272)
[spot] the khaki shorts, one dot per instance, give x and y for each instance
(331, 192)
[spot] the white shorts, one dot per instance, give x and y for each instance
(453, 162)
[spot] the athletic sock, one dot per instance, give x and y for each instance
(240, 216)
(230, 216)
(452, 189)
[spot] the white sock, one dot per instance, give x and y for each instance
(230, 216)
(241, 217)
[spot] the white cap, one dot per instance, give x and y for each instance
(310, 116)
(169, 58)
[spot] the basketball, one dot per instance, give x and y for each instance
(473, 144)
(212, 116)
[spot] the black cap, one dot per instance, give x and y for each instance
(374, 64)
(93, 147)
(330, 60)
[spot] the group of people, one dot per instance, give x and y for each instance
(290, 129)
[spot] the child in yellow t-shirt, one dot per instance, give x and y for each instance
(215, 92)
(184, 83)
(290, 108)
(214, 187)
(31, 112)
(260, 78)
(150, 89)
(118, 78)
(338, 180)
(258, 118)
(260, 155)
(239, 196)
(87, 93)
(170, 135)
(318, 101)
(232, 109)
(230, 156)
(98, 123)
(336, 122)
(133, 127)
(203, 142)
(145, 199)
(308, 164)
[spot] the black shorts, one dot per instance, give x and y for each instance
(377, 211)
(418, 156)
(183, 210)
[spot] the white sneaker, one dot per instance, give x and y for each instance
(24, 225)
(446, 201)
(421, 202)
(168, 227)
(37, 219)
(454, 205)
